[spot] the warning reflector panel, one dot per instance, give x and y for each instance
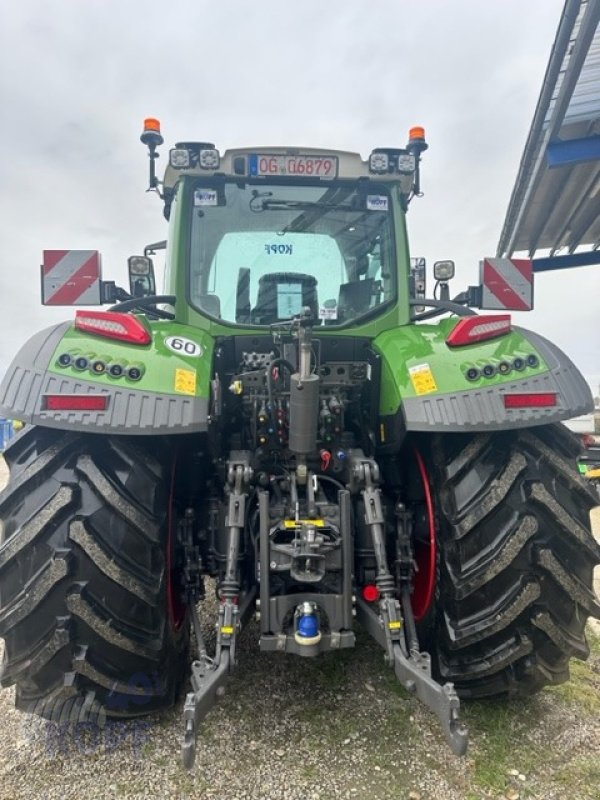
(71, 278)
(506, 284)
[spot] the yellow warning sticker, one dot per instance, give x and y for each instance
(422, 379)
(291, 523)
(185, 381)
(395, 625)
(227, 629)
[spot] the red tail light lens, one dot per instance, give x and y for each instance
(476, 329)
(371, 593)
(75, 402)
(113, 325)
(539, 400)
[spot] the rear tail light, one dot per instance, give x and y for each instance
(530, 400)
(113, 325)
(75, 402)
(371, 593)
(476, 329)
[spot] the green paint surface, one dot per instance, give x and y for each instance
(160, 362)
(414, 346)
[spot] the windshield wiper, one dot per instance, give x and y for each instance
(268, 205)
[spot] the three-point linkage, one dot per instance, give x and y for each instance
(209, 674)
(394, 626)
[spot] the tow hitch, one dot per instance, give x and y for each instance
(392, 625)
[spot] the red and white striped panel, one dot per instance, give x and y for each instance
(71, 278)
(507, 284)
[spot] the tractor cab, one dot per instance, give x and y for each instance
(262, 233)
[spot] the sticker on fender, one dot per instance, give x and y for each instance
(185, 381)
(182, 346)
(422, 379)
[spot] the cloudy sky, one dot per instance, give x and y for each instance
(77, 78)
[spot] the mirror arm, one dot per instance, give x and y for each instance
(473, 296)
(111, 293)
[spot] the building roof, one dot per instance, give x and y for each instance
(555, 203)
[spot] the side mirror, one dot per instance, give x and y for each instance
(418, 279)
(142, 282)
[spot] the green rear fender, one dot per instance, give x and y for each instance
(162, 387)
(429, 386)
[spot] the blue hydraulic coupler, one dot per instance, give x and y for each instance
(307, 624)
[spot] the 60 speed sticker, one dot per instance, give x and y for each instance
(184, 347)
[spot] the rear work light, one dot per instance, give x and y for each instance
(75, 402)
(209, 159)
(530, 400)
(113, 325)
(179, 158)
(590, 440)
(476, 329)
(379, 162)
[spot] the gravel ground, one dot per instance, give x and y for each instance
(335, 727)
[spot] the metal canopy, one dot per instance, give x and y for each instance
(555, 203)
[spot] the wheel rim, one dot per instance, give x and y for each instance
(425, 554)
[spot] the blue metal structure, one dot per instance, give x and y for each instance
(566, 262)
(555, 203)
(573, 151)
(6, 433)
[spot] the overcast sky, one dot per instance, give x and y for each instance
(77, 78)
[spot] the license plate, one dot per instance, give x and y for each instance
(296, 166)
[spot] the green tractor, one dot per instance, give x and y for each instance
(297, 421)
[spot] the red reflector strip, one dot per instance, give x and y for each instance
(476, 329)
(538, 400)
(75, 402)
(113, 325)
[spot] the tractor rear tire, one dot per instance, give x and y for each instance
(85, 609)
(516, 560)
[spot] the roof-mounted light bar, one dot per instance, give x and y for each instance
(386, 161)
(402, 161)
(191, 155)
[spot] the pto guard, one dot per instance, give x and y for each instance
(131, 408)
